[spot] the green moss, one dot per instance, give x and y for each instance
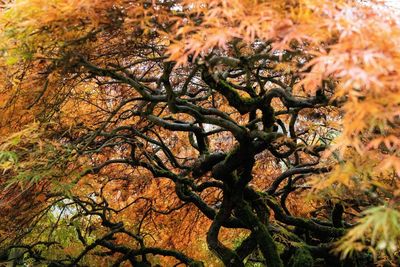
(243, 104)
(280, 248)
(301, 258)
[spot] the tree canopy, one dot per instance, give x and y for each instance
(199, 133)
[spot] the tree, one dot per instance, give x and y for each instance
(139, 132)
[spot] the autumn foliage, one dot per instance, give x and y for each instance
(199, 133)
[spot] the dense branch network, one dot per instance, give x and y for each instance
(188, 100)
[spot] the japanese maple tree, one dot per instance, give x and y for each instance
(199, 133)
